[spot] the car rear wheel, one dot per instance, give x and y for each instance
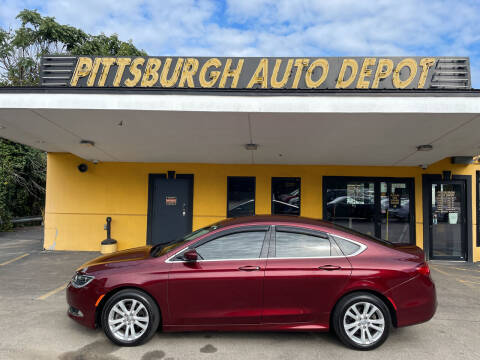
(130, 318)
(362, 321)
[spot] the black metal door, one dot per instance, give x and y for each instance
(448, 220)
(170, 208)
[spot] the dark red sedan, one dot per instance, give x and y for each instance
(257, 273)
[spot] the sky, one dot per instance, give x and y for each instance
(302, 28)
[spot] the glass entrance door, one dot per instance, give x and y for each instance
(395, 211)
(448, 220)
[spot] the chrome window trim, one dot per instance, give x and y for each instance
(262, 258)
(184, 261)
(308, 257)
(362, 249)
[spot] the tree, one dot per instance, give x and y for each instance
(21, 49)
(22, 168)
(22, 176)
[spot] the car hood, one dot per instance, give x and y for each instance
(134, 254)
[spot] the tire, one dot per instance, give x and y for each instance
(144, 318)
(353, 327)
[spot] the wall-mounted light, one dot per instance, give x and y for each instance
(87, 143)
(426, 147)
(251, 147)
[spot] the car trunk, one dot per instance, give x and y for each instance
(412, 250)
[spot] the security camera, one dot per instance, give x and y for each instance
(82, 168)
(423, 166)
(95, 162)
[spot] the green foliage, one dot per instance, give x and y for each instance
(22, 181)
(22, 169)
(106, 45)
(21, 49)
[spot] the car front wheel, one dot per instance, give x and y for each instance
(130, 318)
(362, 321)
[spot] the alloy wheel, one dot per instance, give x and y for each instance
(128, 319)
(364, 323)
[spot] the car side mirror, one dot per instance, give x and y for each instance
(191, 255)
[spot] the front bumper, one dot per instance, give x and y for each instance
(81, 303)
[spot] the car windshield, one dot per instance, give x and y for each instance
(162, 249)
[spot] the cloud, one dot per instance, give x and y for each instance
(276, 27)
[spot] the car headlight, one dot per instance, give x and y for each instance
(81, 280)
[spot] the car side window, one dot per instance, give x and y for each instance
(297, 245)
(242, 245)
(347, 247)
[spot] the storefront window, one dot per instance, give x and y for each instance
(373, 206)
(352, 204)
(286, 196)
(240, 196)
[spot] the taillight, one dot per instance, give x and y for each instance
(424, 269)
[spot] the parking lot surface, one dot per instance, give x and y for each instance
(34, 324)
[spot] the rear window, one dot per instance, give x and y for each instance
(295, 245)
(362, 235)
(347, 247)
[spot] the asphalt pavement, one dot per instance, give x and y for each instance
(34, 324)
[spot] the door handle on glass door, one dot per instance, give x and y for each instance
(249, 268)
(329, 267)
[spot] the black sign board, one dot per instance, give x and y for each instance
(284, 73)
(394, 200)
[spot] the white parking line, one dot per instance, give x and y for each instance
(440, 271)
(467, 269)
(467, 283)
(14, 259)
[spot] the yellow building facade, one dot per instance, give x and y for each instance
(158, 146)
(77, 203)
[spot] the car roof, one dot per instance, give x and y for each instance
(300, 220)
(275, 219)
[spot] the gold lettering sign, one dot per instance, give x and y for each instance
(368, 73)
(384, 69)
(353, 66)
(274, 81)
(261, 75)
(365, 72)
(83, 68)
(412, 66)
(312, 84)
(150, 76)
(214, 75)
(135, 71)
(234, 74)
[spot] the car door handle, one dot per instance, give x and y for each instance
(329, 267)
(249, 268)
